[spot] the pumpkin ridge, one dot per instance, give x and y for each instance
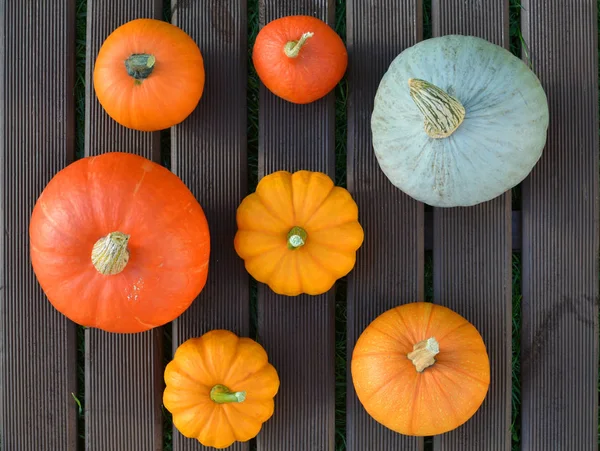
(325, 227)
(247, 255)
(275, 267)
(182, 406)
(225, 409)
(415, 399)
(442, 391)
(407, 330)
(340, 247)
(55, 226)
(461, 372)
(320, 264)
(148, 325)
(427, 332)
(271, 212)
(205, 389)
(257, 422)
(227, 375)
(318, 208)
(392, 379)
(451, 331)
(385, 333)
(298, 272)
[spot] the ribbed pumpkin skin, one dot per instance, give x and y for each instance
(439, 399)
(493, 150)
(309, 200)
(169, 245)
(320, 65)
(169, 94)
(220, 357)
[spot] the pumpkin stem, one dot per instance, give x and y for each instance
(110, 254)
(423, 353)
(443, 113)
(140, 65)
(296, 238)
(292, 48)
(221, 394)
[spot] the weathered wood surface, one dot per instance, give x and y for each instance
(208, 152)
(123, 373)
(38, 369)
(298, 333)
(559, 336)
(472, 257)
(471, 247)
(390, 265)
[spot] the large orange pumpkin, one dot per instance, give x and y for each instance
(220, 388)
(119, 243)
(149, 75)
(299, 58)
(420, 369)
(298, 232)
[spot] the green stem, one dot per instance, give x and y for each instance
(110, 254)
(221, 395)
(292, 48)
(140, 65)
(443, 113)
(296, 238)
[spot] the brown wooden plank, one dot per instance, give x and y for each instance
(123, 373)
(559, 339)
(38, 368)
(209, 154)
(298, 333)
(389, 267)
(515, 230)
(472, 256)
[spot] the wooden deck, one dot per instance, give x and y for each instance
(556, 231)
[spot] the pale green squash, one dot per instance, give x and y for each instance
(458, 121)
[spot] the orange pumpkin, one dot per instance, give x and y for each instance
(149, 75)
(299, 58)
(220, 388)
(298, 232)
(119, 243)
(420, 369)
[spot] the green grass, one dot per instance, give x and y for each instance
(80, 34)
(79, 94)
(515, 426)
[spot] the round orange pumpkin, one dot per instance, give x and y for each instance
(119, 243)
(149, 75)
(220, 388)
(298, 233)
(299, 58)
(420, 369)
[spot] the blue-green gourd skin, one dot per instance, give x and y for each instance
(496, 146)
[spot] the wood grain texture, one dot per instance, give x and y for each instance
(390, 264)
(208, 152)
(123, 373)
(38, 368)
(559, 339)
(472, 256)
(298, 332)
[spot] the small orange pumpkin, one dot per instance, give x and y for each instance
(149, 75)
(298, 232)
(220, 388)
(299, 58)
(420, 369)
(119, 243)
